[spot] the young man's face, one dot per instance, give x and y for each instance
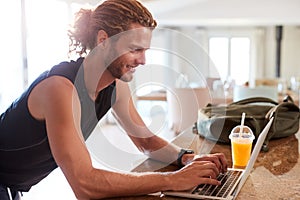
(128, 52)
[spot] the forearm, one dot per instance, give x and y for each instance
(103, 184)
(169, 153)
(99, 184)
(143, 138)
(157, 148)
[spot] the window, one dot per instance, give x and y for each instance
(219, 53)
(34, 38)
(11, 67)
(47, 40)
(231, 57)
(240, 59)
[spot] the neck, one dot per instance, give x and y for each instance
(105, 80)
(96, 76)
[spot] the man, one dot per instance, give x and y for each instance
(47, 126)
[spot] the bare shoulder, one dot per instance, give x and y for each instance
(55, 85)
(53, 93)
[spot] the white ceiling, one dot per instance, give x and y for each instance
(221, 12)
(225, 12)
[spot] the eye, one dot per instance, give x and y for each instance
(136, 50)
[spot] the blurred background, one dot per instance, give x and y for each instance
(203, 51)
(247, 41)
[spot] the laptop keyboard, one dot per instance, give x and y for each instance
(227, 180)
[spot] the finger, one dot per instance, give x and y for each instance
(209, 170)
(203, 168)
(211, 160)
(198, 162)
(209, 173)
(220, 160)
(215, 159)
(223, 162)
(209, 181)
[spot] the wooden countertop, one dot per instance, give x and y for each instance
(275, 174)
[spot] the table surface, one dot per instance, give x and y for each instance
(276, 173)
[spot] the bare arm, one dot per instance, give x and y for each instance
(146, 141)
(56, 101)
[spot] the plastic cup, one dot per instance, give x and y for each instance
(241, 145)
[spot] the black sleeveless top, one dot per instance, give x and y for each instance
(25, 155)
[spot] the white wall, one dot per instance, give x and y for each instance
(291, 51)
(263, 54)
(237, 13)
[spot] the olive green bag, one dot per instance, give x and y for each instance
(216, 122)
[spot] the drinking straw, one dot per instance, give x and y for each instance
(242, 123)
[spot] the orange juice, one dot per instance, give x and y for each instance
(241, 150)
(241, 145)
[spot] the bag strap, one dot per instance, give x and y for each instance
(288, 98)
(254, 100)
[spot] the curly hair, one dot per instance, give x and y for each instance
(112, 16)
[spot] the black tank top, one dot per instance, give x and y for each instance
(25, 155)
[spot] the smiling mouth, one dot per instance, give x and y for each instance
(131, 68)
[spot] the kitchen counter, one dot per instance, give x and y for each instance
(276, 174)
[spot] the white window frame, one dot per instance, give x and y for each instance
(250, 32)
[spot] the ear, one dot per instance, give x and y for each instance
(101, 36)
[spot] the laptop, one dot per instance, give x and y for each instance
(231, 182)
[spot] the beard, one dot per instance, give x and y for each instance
(118, 68)
(120, 71)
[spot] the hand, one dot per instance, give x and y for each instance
(193, 174)
(218, 158)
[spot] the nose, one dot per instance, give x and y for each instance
(141, 60)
